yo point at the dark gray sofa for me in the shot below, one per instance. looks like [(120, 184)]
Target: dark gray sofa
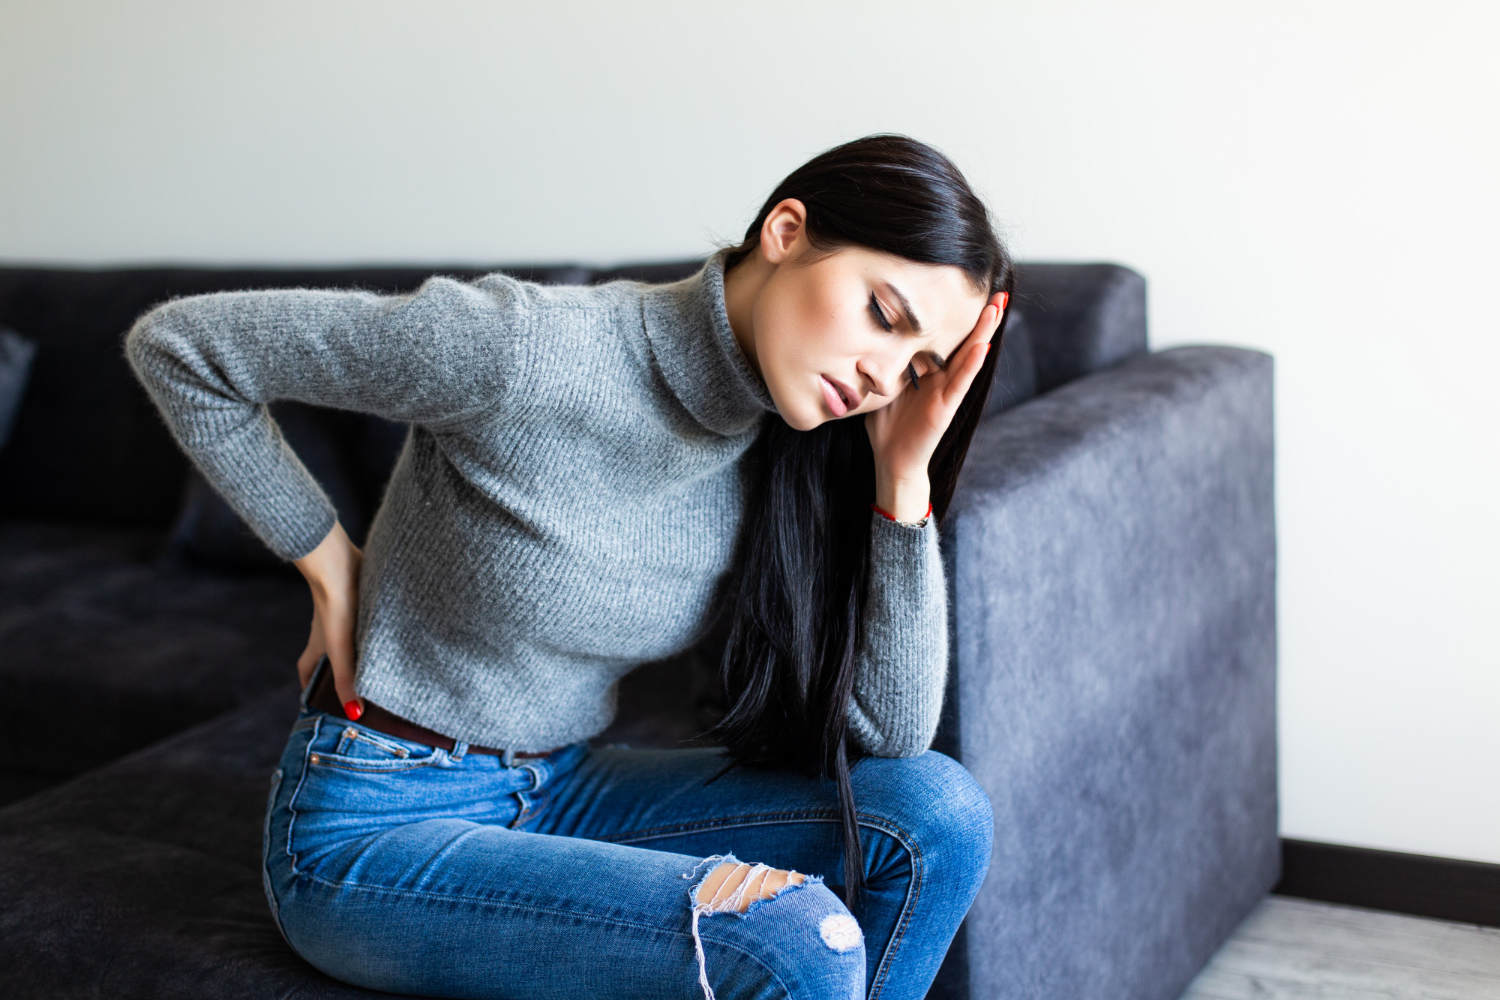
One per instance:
[(1111, 557)]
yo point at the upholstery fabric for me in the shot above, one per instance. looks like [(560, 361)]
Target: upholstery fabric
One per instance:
[(1111, 554), (142, 879), (1113, 692), (88, 445), (350, 454), (1113, 559), (104, 640), (16, 353), (1083, 318), (1015, 372)]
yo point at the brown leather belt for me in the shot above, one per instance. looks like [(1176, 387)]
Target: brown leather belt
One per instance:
[(324, 698)]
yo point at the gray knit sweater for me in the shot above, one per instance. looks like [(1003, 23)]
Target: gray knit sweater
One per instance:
[(564, 507)]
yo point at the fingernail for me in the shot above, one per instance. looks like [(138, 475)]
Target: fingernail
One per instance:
[(1004, 300), (985, 351), (352, 709)]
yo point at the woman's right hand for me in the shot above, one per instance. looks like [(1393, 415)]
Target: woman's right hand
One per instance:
[(332, 571)]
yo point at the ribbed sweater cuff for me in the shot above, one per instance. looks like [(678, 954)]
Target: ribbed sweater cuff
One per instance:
[(269, 488)]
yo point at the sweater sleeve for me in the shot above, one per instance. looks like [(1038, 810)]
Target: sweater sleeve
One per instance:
[(211, 363), (903, 651)]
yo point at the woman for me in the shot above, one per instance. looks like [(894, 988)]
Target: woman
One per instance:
[(584, 467)]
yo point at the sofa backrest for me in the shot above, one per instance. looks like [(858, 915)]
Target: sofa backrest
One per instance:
[(1082, 318), (87, 445)]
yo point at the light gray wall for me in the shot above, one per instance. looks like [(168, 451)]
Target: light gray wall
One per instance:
[(1315, 179)]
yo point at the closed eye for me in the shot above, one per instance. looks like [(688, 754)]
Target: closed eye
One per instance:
[(879, 313), (931, 362)]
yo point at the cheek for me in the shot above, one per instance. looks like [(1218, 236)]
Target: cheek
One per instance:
[(795, 336)]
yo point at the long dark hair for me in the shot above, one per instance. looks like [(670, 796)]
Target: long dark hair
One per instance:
[(802, 563)]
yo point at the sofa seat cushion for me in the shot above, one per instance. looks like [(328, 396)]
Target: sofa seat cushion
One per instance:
[(108, 648), (142, 879)]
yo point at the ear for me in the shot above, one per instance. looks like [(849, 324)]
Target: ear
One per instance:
[(784, 226)]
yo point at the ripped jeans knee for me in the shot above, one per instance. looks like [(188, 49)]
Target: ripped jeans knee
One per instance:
[(732, 886)]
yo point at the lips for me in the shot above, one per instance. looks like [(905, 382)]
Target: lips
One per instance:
[(835, 396)]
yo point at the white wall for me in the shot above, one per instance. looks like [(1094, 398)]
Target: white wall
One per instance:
[(1317, 180)]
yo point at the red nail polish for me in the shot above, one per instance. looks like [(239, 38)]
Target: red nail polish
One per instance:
[(352, 709)]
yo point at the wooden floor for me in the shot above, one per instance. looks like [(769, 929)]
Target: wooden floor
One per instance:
[(1293, 949)]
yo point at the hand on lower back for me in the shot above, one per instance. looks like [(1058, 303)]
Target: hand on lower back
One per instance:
[(332, 572)]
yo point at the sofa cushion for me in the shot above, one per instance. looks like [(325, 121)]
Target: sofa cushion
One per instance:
[(88, 445), (16, 353), (118, 648), (142, 879), (350, 455), (1015, 372), (1083, 318), (106, 638), (654, 273)]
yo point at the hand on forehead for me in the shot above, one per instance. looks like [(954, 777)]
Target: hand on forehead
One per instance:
[(935, 303)]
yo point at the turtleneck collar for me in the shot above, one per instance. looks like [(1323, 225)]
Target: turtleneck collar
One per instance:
[(688, 327)]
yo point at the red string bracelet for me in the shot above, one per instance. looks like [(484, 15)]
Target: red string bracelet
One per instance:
[(892, 517)]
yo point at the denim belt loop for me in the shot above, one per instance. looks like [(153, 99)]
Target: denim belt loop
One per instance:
[(459, 749), (509, 758)]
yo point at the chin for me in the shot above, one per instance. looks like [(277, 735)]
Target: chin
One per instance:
[(798, 413), (804, 419)]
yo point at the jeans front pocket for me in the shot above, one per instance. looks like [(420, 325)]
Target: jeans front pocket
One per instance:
[(357, 748), (355, 783)]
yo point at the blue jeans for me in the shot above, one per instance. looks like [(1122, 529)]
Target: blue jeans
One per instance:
[(403, 867)]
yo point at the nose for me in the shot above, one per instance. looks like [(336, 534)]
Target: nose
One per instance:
[(884, 375)]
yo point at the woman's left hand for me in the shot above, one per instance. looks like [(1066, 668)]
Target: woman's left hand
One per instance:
[(905, 432)]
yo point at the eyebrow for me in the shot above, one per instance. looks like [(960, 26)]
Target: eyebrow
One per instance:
[(916, 324), (911, 317)]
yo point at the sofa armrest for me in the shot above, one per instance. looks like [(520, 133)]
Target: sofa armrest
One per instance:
[(1111, 556)]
